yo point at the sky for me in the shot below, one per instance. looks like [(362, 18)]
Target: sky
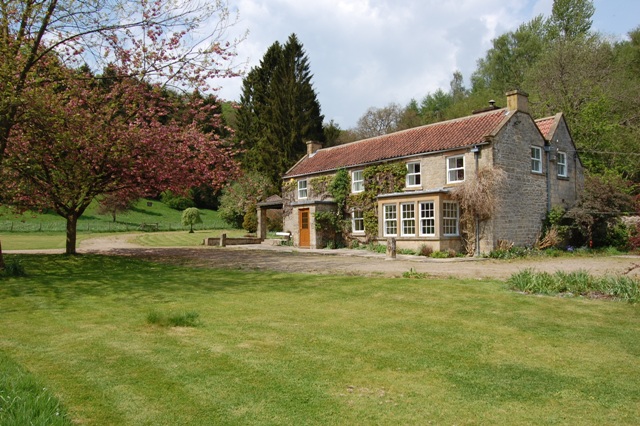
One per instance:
[(370, 53)]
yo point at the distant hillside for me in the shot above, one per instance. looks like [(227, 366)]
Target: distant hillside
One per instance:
[(145, 215)]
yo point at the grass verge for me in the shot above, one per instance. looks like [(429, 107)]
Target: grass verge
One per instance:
[(577, 283), (24, 400), (275, 348)]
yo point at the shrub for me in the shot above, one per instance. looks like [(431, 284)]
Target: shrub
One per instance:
[(243, 195), (250, 222), (425, 250), (378, 248), (440, 254), (176, 202), (274, 220)]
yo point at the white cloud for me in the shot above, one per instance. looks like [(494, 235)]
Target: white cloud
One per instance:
[(367, 53)]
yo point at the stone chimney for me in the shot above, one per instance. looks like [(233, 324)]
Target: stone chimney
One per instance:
[(517, 100), (312, 147)]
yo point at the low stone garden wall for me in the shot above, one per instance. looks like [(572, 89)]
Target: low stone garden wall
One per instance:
[(223, 241)]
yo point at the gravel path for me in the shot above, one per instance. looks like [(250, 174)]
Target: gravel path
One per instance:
[(353, 262)]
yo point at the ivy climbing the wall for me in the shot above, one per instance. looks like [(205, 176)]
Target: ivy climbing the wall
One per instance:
[(334, 223), (378, 179)]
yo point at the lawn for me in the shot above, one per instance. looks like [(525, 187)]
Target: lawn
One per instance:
[(149, 212), (56, 240), (283, 349)]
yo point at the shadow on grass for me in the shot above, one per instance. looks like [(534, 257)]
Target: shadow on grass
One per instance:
[(145, 211), (63, 278)]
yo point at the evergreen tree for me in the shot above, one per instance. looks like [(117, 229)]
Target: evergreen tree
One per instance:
[(279, 111)]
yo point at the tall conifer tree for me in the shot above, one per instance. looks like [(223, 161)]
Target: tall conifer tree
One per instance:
[(279, 110)]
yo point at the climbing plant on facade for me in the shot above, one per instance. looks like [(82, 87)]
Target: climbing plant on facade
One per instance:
[(378, 179)]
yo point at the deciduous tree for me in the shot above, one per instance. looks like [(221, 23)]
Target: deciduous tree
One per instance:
[(84, 140), (161, 42)]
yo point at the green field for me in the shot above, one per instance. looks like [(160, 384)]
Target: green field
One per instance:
[(142, 215), (284, 349)]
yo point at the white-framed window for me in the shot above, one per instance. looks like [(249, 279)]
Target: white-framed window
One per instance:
[(536, 159), (413, 174), (561, 161), (390, 220), (455, 169), (302, 189), (450, 218), (357, 222), (408, 211), (357, 181), (427, 219)]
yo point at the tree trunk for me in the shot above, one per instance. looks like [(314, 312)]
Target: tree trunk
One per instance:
[(72, 232)]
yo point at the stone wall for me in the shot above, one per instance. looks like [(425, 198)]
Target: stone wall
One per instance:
[(565, 190), (522, 198)]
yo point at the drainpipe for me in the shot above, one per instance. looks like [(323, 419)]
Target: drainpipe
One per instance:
[(547, 150), (476, 155)]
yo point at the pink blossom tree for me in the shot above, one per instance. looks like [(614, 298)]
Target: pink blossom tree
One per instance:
[(83, 140), (161, 42)]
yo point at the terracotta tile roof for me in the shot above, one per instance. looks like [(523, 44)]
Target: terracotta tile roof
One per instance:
[(446, 135), (546, 125)]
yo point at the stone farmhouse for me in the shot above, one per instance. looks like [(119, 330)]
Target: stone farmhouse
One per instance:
[(540, 165)]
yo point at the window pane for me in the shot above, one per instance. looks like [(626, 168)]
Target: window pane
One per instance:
[(536, 159), (390, 219), (357, 221), (455, 169), (408, 219), (357, 181), (562, 164), (450, 218), (413, 174), (427, 218), (302, 189)]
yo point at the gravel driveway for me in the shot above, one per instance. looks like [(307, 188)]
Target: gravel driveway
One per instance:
[(355, 262)]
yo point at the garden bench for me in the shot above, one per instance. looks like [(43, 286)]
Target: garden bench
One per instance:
[(283, 237)]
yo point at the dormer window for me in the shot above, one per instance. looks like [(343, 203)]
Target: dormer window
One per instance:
[(455, 169), (413, 174)]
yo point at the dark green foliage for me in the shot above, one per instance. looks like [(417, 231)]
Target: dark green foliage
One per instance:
[(250, 221), (334, 222), (242, 196), (565, 67), (176, 202), (279, 111), (378, 179), (597, 213)]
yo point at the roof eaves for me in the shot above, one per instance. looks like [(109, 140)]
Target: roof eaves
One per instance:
[(387, 160)]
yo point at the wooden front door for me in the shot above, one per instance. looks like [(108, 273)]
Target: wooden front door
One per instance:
[(303, 222)]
